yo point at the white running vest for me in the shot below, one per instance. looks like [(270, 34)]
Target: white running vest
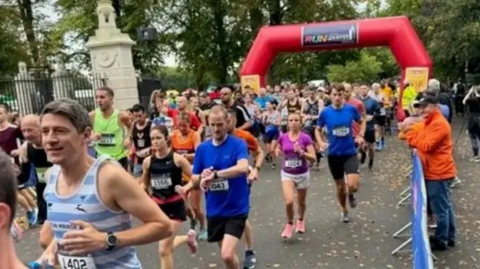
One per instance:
[(86, 205)]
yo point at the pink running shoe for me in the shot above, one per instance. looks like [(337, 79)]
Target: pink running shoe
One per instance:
[(192, 241), (16, 231), (300, 227), (287, 231)]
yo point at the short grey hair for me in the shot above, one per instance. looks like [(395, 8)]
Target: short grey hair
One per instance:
[(70, 109), (376, 86), (434, 85)]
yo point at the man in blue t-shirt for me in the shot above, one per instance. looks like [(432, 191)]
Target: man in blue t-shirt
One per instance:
[(372, 109), (262, 99), (221, 165), (342, 153)]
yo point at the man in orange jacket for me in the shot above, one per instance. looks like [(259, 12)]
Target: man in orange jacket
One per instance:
[(433, 140)]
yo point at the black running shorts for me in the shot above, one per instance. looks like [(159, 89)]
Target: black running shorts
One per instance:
[(218, 227), (175, 210), (343, 165), (370, 136)]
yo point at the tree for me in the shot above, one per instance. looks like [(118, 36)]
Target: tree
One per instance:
[(366, 70)]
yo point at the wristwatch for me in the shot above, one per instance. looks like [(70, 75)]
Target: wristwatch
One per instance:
[(215, 175), (111, 241)]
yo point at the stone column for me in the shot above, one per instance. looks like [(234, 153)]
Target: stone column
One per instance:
[(24, 89), (111, 55), (62, 82)]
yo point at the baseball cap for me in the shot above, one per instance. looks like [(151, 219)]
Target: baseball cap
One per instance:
[(424, 100)]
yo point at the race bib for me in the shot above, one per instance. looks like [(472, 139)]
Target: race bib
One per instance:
[(293, 163), (41, 174), (141, 143), (70, 262), (342, 131), (219, 185), (107, 140), (383, 112), (160, 182)]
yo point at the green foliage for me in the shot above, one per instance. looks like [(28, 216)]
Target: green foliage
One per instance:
[(366, 69)]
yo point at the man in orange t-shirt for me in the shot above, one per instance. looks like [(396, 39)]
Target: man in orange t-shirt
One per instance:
[(258, 156)]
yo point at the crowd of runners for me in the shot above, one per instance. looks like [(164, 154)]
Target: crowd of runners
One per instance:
[(190, 157)]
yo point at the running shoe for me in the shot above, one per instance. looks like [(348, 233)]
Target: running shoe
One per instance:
[(475, 159), (300, 227), (192, 241), (32, 218), (431, 224), (203, 234), (352, 200), (288, 231), (455, 182), (378, 146), (345, 218), (250, 260)]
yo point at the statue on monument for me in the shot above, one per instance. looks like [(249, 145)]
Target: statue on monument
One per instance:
[(106, 14)]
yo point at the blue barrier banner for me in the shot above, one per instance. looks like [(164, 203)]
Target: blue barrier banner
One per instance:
[(422, 255)]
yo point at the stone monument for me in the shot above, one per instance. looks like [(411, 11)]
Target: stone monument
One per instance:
[(111, 55)]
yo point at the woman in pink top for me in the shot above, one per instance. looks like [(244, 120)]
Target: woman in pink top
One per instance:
[(297, 149)]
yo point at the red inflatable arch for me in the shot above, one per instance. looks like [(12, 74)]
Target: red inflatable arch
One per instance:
[(394, 32)]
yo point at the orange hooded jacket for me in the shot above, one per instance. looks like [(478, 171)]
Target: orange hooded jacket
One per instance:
[(433, 140)]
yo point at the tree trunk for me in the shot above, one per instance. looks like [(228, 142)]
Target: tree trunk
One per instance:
[(219, 13), (26, 14)]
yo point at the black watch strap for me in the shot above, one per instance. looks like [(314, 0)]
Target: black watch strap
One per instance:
[(109, 240)]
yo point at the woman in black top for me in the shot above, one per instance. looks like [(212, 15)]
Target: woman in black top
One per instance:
[(162, 176)]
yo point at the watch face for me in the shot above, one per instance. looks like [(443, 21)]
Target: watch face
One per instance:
[(112, 240)]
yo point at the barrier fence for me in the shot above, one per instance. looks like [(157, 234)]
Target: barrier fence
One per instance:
[(422, 256)]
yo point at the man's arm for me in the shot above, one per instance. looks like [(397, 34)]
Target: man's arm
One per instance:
[(437, 132), (23, 152), (132, 199)]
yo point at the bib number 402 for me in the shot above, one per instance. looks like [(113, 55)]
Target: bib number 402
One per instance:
[(69, 262), (75, 264)]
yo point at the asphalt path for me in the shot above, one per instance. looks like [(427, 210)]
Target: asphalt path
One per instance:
[(366, 242)]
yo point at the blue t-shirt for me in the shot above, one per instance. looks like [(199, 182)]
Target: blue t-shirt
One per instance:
[(445, 110), (262, 101), (339, 129), (226, 197), (372, 108)]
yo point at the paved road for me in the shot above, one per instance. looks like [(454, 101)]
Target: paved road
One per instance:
[(364, 243)]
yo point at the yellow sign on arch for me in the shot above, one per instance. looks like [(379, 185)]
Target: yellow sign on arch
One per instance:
[(417, 77), (252, 81)]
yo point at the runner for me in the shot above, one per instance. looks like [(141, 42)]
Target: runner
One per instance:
[(221, 165), (32, 152), (163, 175), (195, 108), (10, 141), (110, 128), (372, 109), (389, 96), (161, 116), (381, 118), (272, 121), (311, 108), (140, 136), (342, 155), (297, 149), (244, 119), (258, 157), (8, 202), (184, 142), (81, 206)]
